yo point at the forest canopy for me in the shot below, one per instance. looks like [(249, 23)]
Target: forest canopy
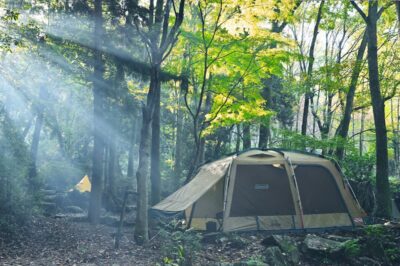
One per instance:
[(138, 94)]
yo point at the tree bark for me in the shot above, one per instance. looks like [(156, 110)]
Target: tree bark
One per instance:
[(398, 13), (98, 105), (246, 137), (155, 175), (130, 170), (309, 94), (143, 173), (344, 125), (32, 172), (178, 144), (378, 106)]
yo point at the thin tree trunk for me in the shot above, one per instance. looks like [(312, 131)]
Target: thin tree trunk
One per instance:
[(130, 170), (246, 137), (398, 14), (343, 128), (33, 182), (143, 173), (378, 106), (178, 144), (155, 175), (309, 94), (98, 102), (112, 160), (238, 137), (361, 133)]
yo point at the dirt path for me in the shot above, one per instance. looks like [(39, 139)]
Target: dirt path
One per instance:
[(59, 241)]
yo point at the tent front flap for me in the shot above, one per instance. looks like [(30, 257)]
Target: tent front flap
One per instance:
[(207, 177)]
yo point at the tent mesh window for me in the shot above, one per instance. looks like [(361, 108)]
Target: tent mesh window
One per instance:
[(261, 190), (318, 190)]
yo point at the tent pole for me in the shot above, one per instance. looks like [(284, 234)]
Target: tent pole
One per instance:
[(297, 192), (191, 215)]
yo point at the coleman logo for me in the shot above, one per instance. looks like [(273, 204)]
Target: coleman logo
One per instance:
[(261, 186)]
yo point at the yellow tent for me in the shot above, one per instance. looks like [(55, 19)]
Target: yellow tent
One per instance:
[(84, 185)]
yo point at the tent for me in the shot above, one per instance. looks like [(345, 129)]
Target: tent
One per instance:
[(84, 185), (266, 190)]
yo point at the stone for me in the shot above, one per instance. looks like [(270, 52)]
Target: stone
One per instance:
[(235, 241), (109, 220), (73, 209), (286, 243), (274, 256), (339, 238), (322, 246), (250, 263), (365, 261)]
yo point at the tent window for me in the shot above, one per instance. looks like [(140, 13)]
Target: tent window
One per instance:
[(318, 190), (261, 190)]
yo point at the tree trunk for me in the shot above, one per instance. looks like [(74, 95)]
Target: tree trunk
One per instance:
[(378, 106), (33, 182), (155, 175), (178, 145), (130, 170), (309, 94), (265, 128), (98, 104), (398, 13), (361, 143), (143, 174), (238, 137), (246, 137), (112, 160), (343, 128)]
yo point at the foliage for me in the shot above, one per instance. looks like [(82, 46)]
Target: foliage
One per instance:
[(352, 248), (359, 167), (15, 203), (394, 184), (179, 246)]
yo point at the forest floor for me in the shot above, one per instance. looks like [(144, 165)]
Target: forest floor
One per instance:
[(62, 241)]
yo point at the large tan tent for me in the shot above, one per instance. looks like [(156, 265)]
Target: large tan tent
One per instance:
[(266, 190)]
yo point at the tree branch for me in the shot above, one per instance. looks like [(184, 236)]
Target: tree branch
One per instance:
[(359, 10)]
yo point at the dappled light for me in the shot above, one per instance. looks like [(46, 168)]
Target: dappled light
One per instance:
[(199, 132)]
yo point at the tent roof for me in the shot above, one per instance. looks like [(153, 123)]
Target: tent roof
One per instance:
[(84, 185), (208, 176)]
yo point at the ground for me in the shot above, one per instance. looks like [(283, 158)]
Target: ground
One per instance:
[(62, 241)]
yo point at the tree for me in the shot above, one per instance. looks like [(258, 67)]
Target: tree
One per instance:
[(160, 40), (378, 107), (309, 93), (98, 106)]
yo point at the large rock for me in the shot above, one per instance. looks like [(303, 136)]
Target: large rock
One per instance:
[(234, 241), (365, 261), (286, 243), (322, 246), (74, 209), (248, 263), (274, 256)]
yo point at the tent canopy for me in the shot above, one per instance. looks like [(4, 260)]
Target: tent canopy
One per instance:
[(266, 190), (84, 185), (206, 178)]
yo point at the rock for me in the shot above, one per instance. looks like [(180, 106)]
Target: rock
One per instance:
[(365, 261), (235, 241), (109, 220), (49, 208), (249, 263), (339, 238), (322, 246), (73, 209), (274, 256), (286, 243)]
